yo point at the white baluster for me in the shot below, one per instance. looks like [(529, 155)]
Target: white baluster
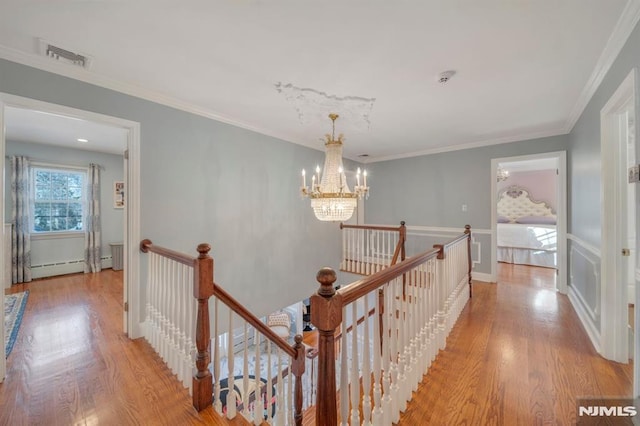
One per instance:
[(173, 329), (280, 406), (191, 324), (269, 390), (352, 238), (344, 372), (414, 345), (216, 358), (402, 347), (231, 395), (377, 414), (245, 372), (290, 393), (395, 388), (179, 323), (355, 367), (366, 366), (257, 412), (387, 405), (343, 263)]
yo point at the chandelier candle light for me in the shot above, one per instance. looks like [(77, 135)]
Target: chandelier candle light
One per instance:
[(331, 198)]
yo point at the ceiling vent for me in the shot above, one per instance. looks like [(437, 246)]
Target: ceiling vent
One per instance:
[(63, 55)]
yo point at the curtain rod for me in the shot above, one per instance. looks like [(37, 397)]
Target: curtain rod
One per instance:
[(49, 163)]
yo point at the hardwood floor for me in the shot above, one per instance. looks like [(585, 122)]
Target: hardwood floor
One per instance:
[(73, 365), (517, 356)]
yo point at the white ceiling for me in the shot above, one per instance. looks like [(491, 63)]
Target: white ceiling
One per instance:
[(24, 125), (524, 68)]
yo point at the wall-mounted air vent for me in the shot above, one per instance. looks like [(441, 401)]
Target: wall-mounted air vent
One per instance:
[(64, 55)]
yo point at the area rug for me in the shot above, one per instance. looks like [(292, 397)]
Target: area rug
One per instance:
[(14, 305)]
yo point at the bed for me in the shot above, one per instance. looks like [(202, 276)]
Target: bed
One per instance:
[(526, 229)]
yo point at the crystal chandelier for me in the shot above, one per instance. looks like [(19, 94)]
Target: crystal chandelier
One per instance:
[(502, 174), (331, 198)]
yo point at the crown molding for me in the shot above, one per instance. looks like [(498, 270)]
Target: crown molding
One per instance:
[(621, 32), (478, 144), (95, 79)]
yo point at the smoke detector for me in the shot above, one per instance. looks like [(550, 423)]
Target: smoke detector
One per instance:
[(64, 55), (445, 76)]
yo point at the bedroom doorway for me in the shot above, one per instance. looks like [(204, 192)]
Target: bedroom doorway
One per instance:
[(131, 212), (529, 213)]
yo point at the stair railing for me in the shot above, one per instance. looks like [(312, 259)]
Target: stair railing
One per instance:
[(178, 328), (367, 249), (383, 355)]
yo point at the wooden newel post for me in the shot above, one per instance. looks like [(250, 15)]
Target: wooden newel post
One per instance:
[(203, 290), (298, 371), (326, 315), (467, 230)]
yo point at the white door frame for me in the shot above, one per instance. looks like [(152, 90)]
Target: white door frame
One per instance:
[(131, 324), (614, 340), (561, 212)]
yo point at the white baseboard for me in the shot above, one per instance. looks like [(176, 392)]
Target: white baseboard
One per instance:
[(589, 326), (482, 276), (63, 268)]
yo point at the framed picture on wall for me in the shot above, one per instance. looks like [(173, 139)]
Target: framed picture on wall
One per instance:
[(118, 195)]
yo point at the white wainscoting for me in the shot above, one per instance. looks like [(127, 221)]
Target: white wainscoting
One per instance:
[(584, 286), (442, 234)]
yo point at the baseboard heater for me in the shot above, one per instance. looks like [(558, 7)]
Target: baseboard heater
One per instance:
[(62, 268)]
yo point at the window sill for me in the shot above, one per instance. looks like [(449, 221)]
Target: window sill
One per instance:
[(56, 235)]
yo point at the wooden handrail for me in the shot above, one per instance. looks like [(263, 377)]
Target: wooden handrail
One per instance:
[(243, 313), (372, 227), (455, 240), (361, 287), (147, 246)]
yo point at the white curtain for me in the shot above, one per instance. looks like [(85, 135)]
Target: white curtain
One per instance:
[(20, 233), (92, 239)]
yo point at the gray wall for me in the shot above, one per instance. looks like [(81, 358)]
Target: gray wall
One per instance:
[(430, 190), (584, 177), (206, 181), (584, 142), (63, 249)]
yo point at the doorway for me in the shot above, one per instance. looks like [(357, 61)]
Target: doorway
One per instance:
[(535, 204), (131, 212), (618, 223)]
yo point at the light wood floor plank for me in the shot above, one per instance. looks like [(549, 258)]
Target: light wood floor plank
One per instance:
[(517, 356), (73, 365)]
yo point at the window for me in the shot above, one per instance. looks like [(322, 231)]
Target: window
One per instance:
[(58, 200)]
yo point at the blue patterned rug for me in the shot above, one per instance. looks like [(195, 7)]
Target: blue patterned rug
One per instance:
[(14, 305)]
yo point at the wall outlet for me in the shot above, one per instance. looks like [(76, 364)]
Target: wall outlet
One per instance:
[(634, 173)]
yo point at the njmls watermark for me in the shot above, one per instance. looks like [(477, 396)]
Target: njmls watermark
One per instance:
[(608, 411)]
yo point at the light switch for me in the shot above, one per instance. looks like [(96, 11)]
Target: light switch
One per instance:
[(464, 207)]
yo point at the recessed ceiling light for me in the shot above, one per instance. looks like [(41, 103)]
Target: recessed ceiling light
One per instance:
[(83, 140)]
